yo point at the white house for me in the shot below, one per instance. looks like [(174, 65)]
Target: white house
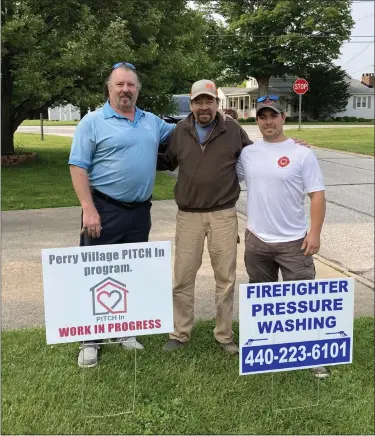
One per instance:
[(64, 113), (361, 101), (243, 100)]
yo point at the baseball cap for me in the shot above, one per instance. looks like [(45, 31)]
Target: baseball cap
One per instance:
[(269, 103), (207, 87)]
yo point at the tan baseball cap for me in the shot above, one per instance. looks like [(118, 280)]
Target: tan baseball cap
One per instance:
[(206, 87)]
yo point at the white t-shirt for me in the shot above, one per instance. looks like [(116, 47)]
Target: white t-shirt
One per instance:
[(277, 176)]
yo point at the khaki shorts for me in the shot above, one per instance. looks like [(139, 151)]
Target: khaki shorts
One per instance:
[(264, 260)]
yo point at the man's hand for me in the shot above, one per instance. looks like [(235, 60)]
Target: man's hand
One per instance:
[(302, 142), (91, 222), (311, 244)]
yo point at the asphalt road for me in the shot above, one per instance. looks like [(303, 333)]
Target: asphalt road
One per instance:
[(348, 233)]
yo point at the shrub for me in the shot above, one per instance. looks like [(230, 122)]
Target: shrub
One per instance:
[(232, 112), (338, 119), (363, 120)]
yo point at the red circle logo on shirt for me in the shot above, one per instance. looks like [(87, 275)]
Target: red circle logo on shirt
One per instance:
[(283, 161)]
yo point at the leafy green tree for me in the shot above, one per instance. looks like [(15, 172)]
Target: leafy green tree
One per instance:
[(56, 52), (265, 38), (328, 91)]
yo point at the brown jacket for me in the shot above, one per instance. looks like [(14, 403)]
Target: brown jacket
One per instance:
[(207, 179)]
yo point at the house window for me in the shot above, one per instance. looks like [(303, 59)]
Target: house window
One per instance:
[(361, 102), (254, 103)]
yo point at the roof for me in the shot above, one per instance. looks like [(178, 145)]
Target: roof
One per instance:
[(248, 91), (356, 87)]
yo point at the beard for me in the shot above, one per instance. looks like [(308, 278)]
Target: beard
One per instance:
[(125, 105), (204, 118)]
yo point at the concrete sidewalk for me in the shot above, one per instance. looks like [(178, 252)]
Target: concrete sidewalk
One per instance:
[(26, 233)]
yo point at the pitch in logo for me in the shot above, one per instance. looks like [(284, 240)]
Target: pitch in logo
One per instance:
[(109, 297)]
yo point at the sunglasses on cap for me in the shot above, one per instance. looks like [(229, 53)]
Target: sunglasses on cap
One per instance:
[(270, 97), (123, 64)]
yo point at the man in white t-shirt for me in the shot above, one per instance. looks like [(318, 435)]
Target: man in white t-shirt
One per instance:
[(278, 173)]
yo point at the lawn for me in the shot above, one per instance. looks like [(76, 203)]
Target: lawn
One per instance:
[(46, 182), (355, 140), (196, 390), (49, 123)]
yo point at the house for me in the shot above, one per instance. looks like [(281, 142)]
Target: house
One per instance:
[(361, 102), (64, 113), (243, 100)]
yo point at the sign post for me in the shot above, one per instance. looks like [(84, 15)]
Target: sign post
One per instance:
[(300, 87), (295, 325)]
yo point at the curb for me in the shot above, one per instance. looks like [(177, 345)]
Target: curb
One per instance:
[(331, 264)]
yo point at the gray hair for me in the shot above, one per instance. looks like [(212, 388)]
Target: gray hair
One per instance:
[(108, 79)]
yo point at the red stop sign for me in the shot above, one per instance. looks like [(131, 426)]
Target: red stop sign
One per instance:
[(300, 86)]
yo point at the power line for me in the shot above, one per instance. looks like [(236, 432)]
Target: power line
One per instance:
[(367, 46), (359, 19)]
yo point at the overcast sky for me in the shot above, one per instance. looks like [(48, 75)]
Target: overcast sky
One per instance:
[(351, 59)]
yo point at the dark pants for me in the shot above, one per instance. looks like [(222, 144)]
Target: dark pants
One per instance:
[(120, 225), (264, 260)]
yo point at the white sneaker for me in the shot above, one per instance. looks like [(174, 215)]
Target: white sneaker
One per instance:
[(88, 355), (130, 343)]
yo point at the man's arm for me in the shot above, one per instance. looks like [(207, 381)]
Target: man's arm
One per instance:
[(90, 217), (239, 171), (168, 159), (80, 159), (311, 243)]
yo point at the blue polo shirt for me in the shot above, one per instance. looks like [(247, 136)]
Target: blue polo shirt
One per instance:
[(118, 154)]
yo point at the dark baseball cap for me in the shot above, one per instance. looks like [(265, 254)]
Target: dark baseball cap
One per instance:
[(273, 104)]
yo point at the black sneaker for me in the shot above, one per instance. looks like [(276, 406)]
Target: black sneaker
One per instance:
[(173, 345)]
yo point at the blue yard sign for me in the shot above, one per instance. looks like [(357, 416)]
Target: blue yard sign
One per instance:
[(295, 325)]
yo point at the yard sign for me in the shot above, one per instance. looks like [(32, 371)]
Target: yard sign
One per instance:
[(107, 291), (294, 325)]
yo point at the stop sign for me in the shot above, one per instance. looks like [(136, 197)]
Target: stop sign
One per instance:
[(300, 86)]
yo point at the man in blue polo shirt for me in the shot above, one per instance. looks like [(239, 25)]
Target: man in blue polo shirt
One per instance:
[(113, 167)]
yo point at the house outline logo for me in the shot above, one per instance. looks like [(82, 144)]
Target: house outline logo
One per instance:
[(109, 297)]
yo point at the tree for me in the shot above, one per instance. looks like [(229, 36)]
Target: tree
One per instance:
[(328, 91), (276, 38), (57, 52)]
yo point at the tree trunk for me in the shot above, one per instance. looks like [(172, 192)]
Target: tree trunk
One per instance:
[(262, 85), (7, 130), (7, 134), (83, 111)]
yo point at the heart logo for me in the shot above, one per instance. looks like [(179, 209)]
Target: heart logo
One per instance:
[(283, 161), (109, 300)]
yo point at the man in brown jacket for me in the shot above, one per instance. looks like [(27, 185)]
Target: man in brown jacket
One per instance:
[(205, 147)]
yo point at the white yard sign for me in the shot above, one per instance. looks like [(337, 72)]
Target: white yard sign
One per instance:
[(107, 291), (295, 325)]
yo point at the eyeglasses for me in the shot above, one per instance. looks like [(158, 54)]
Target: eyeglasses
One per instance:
[(270, 97), (125, 64)]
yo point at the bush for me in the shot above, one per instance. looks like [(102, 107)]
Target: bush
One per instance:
[(232, 112), (338, 119), (363, 120)]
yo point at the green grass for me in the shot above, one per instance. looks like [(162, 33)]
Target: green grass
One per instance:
[(49, 123), (196, 390), (318, 123), (357, 140), (46, 182)]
